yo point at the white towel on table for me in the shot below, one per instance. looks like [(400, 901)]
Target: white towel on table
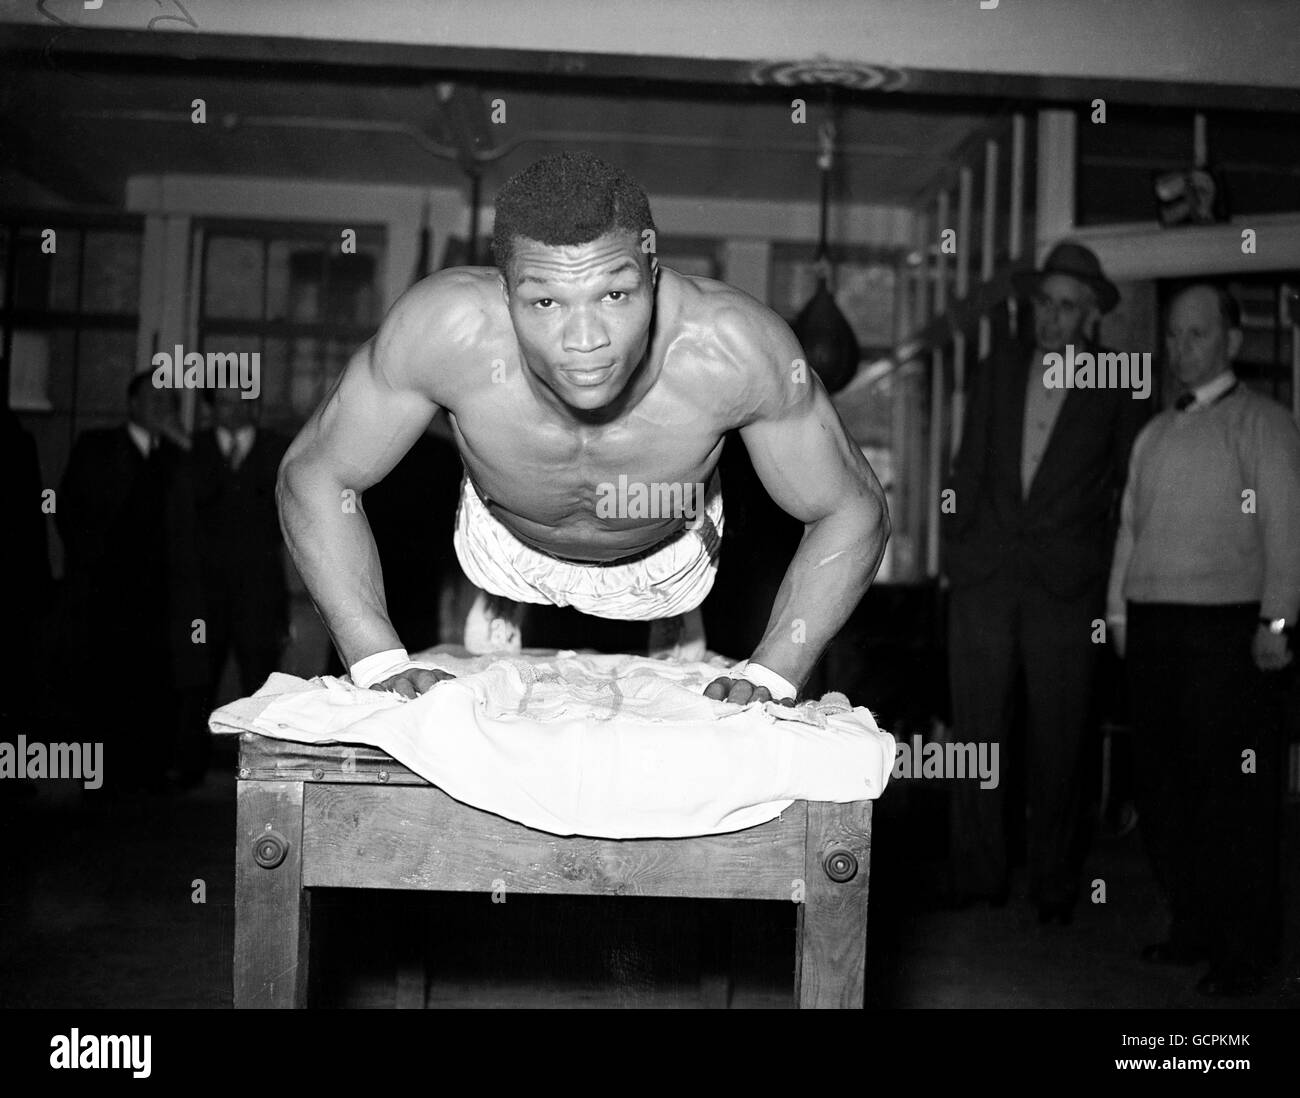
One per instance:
[(607, 746)]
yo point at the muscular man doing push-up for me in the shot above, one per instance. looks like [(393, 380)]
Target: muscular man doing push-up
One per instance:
[(589, 391)]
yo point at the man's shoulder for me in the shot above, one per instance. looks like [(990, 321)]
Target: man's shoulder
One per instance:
[(439, 316), (734, 339), (1266, 415), (442, 301)]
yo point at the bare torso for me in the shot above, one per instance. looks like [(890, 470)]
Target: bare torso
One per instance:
[(544, 474)]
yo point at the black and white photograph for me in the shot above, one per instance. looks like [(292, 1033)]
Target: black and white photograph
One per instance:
[(637, 507)]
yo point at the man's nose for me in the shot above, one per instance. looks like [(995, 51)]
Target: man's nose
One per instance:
[(584, 333)]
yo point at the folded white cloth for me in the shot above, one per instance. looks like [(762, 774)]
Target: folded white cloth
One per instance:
[(613, 747)]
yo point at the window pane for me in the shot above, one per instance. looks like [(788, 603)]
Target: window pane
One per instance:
[(277, 410), (352, 287), (865, 293), (47, 280), (306, 266), (232, 284), (295, 269), (304, 376), (40, 378), (111, 281), (107, 361)]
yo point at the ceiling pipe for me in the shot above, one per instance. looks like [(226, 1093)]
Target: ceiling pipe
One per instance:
[(557, 137)]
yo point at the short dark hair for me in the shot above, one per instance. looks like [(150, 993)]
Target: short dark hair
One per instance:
[(134, 385), (567, 198), (1229, 307)]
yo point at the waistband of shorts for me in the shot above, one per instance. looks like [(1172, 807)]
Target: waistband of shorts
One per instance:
[(706, 529)]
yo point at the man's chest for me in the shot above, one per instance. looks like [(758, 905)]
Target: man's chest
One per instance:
[(643, 470)]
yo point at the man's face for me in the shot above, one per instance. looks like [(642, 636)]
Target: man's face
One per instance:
[(151, 407), (582, 315), (1064, 310), (1199, 346), (231, 410)]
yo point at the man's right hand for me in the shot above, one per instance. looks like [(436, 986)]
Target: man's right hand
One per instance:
[(1117, 637), (412, 682)]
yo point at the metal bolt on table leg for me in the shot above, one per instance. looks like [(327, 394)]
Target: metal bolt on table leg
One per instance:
[(840, 866)]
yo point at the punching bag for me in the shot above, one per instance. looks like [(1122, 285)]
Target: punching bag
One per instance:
[(827, 339)]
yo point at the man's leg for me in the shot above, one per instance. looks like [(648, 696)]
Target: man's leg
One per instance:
[(1238, 736), (678, 638), (494, 624), (1060, 663), (1168, 794), (982, 661)]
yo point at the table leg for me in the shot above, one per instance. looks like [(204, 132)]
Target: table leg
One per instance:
[(831, 934), (411, 986), (272, 909), (716, 942)]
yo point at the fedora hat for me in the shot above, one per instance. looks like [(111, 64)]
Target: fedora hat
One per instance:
[(1073, 259)]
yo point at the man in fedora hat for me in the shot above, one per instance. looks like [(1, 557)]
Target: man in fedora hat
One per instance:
[(1027, 543)]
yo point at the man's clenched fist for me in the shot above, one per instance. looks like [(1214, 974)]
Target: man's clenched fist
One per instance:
[(412, 682), (740, 692)]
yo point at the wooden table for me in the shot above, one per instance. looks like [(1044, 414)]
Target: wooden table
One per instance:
[(351, 817)]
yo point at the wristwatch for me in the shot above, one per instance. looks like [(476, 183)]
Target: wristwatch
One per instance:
[(1276, 626)]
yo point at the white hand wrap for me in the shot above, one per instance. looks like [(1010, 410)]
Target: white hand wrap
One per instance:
[(382, 665), (759, 675)]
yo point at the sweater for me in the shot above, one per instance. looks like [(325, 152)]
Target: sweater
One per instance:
[(1211, 510)]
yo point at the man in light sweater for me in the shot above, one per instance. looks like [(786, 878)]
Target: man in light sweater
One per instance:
[(1204, 593)]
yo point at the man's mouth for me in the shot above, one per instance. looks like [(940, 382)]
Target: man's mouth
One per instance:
[(588, 375)]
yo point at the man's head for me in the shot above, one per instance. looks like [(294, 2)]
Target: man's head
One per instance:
[(1202, 334), (573, 241), (229, 408), (147, 405), (1070, 293), (1065, 311)]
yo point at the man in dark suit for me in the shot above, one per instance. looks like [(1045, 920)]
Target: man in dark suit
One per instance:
[(125, 512), (1027, 542), (244, 581)]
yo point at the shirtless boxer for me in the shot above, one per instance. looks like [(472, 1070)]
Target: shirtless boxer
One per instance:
[(575, 362)]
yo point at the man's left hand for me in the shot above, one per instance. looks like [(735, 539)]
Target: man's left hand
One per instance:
[(740, 692), (1270, 650)]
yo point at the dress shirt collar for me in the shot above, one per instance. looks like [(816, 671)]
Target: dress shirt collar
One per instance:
[(239, 441), (1205, 394), (144, 441)]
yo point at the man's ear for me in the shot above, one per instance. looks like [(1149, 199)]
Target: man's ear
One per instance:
[(1235, 338), (505, 290)]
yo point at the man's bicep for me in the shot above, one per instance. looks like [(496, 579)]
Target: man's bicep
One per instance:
[(806, 460), (364, 426)]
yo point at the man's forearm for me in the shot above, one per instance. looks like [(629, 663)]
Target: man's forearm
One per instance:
[(831, 570), (334, 551)]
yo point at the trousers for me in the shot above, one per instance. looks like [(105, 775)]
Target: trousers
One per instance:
[(996, 631), (1209, 759)]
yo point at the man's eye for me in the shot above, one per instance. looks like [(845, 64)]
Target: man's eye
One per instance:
[(544, 301), (621, 293)]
